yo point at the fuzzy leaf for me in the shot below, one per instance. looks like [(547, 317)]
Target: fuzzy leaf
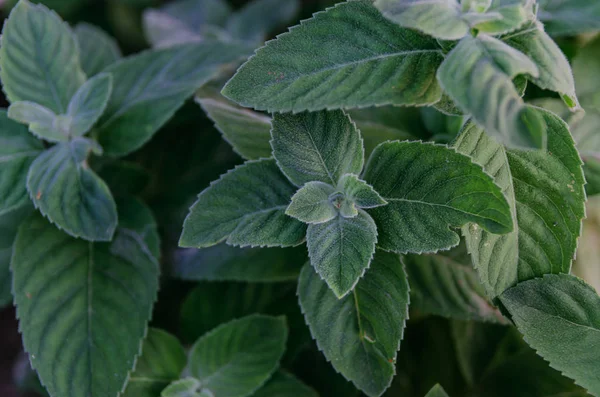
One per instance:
[(546, 196), (9, 224), (283, 384), (319, 146), (237, 358), (559, 315), (477, 76), (245, 207), (311, 204), (18, 149), (88, 104), (341, 250), (570, 17), (98, 50), (161, 362), (437, 391), (259, 17), (346, 56), (70, 194), (246, 131), (170, 76), (361, 333), (39, 58), (512, 14), (187, 387), (431, 189), (71, 297), (42, 122), (359, 192)]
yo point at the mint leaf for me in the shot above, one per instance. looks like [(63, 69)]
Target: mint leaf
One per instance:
[(245, 207), (585, 68), (170, 77), (283, 384), (559, 315), (97, 49), (437, 391), (319, 146), (546, 196), (42, 122), (68, 320), (341, 250), (346, 56), (188, 387), (431, 189), (246, 131), (360, 334), (88, 104), (360, 192), (162, 361), (39, 58), (70, 194), (259, 17), (493, 101), (9, 224), (18, 149), (312, 203), (569, 18), (237, 358), (510, 16)]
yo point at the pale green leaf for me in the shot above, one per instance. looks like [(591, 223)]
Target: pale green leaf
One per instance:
[(584, 128), (361, 333), (162, 80), (546, 195), (360, 192), (97, 49), (161, 362), (312, 203), (346, 56), (245, 207), (559, 316), (257, 18), (246, 131), (442, 286), (188, 387), (39, 58), (42, 122), (437, 391), (591, 169), (431, 189), (341, 250), (237, 358), (320, 146), (88, 104), (569, 17), (70, 194), (72, 297), (512, 14), (18, 149), (477, 76), (283, 384)]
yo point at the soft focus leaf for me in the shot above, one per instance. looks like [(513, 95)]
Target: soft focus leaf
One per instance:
[(88, 104), (187, 387), (259, 17), (42, 122), (359, 192), (569, 17), (437, 391), (283, 384), (97, 49), (9, 224)]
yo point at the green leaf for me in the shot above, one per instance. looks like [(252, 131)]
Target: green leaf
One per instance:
[(568, 18), (360, 192), (431, 189), (188, 387), (18, 149), (237, 358), (312, 203), (97, 48), (361, 333), (246, 131), (226, 263), (42, 122), (9, 224), (442, 286), (511, 15), (559, 315), (546, 196), (72, 296), (136, 217), (259, 17), (591, 169), (554, 70), (170, 77), (88, 104), (39, 58), (162, 361), (70, 194), (341, 250), (346, 56), (320, 146), (585, 68), (477, 75), (437, 391), (245, 207), (283, 384)]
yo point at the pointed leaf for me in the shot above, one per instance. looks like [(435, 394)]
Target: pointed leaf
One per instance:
[(42, 122), (559, 315), (312, 204), (9, 224), (569, 18), (162, 361), (511, 15), (346, 56), (283, 384), (70, 194), (97, 48), (319, 146), (360, 192), (259, 17), (88, 104), (69, 319), (437, 391), (361, 333), (431, 189), (237, 358), (170, 77), (477, 76), (18, 149), (39, 58), (188, 387), (245, 207)]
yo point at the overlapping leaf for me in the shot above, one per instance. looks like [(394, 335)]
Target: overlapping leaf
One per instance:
[(97, 49), (9, 224), (259, 17), (312, 203), (437, 391), (187, 387), (359, 192)]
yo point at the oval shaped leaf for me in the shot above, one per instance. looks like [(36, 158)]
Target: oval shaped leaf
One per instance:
[(88, 104), (71, 195), (311, 204), (429, 189), (346, 56), (97, 49)]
